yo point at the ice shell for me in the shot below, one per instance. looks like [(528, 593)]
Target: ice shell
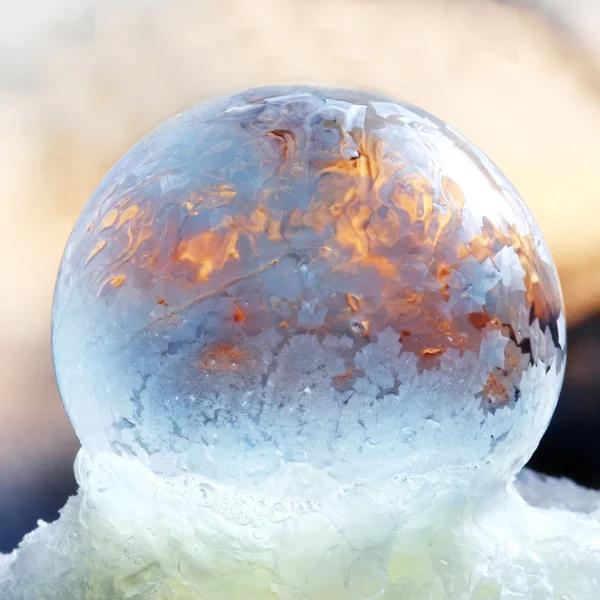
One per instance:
[(305, 275)]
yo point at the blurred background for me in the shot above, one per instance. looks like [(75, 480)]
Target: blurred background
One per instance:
[(82, 80)]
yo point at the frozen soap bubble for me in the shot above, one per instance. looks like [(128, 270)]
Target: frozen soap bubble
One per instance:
[(322, 278)]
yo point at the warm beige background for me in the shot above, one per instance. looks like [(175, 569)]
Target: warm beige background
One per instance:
[(80, 81)]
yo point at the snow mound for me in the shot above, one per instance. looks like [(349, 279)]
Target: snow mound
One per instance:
[(439, 536)]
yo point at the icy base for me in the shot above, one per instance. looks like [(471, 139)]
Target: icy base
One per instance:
[(443, 535)]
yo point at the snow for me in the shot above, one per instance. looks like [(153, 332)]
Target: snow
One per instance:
[(445, 535)]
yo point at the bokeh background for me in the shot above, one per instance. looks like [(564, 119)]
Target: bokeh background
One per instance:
[(82, 80)]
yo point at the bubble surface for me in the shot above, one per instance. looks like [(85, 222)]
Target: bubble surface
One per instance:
[(319, 282)]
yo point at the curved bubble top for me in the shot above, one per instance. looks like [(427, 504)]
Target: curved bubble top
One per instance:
[(304, 278)]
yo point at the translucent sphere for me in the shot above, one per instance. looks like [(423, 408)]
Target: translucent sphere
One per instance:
[(324, 278)]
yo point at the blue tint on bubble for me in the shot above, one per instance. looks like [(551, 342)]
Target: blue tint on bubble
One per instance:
[(304, 275)]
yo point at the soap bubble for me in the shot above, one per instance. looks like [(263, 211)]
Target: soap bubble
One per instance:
[(322, 278)]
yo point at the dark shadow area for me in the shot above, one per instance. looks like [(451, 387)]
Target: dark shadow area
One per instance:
[(570, 446), (23, 503)]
